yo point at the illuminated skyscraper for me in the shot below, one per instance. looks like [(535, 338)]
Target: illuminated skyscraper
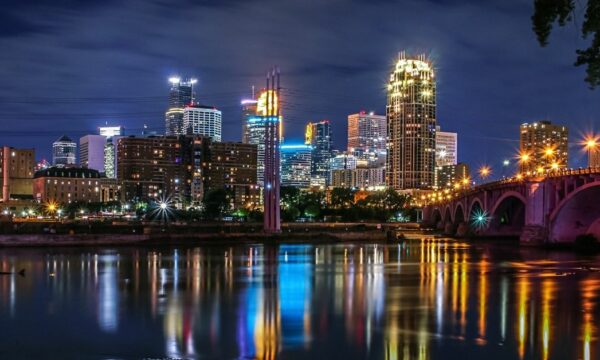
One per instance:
[(91, 152), (296, 165), (318, 136), (256, 128), (202, 120), (112, 133), (445, 152), (411, 122), (63, 152), (248, 112), (546, 146), (366, 136), (180, 95)]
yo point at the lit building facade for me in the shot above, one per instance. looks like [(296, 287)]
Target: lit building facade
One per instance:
[(16, 173), (594, 157), (449, 175), (367, 136), (546, 146), (151, 168), (411, 124), (249, 108), (256, 127), (232, 166), (202, 120), (66, 185), (358, 178), (318, 136), (446, 152), (109, 159), (296, 165), (91, 152), (63, 152), (181, 95)]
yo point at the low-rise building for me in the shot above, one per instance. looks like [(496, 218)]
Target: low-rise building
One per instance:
[(66, 185)]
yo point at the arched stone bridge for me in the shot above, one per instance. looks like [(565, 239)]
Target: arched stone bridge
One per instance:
[(556, 208)]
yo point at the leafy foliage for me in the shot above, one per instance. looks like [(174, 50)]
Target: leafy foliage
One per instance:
[(549, 12)]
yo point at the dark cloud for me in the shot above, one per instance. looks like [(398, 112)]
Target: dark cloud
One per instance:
[(335, 57)]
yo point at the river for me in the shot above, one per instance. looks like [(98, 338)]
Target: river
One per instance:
[(431, 298)]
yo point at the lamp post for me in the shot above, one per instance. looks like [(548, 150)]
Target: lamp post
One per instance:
[(591, 145)]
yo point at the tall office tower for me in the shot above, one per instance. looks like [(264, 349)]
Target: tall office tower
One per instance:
[(544, 146), (446, 147), (411, 122), (343, 161), (109, 160), (180, 96), (63, 152), (366, 136), (257, 130), (318, 136), (110, 131), (16, 173), (296, 165), (248, 112), (91, 152), (202, 120)]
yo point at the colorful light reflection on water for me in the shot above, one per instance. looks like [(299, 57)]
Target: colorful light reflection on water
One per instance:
[(423, 299)]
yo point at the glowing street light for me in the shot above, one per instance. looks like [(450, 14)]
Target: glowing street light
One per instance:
[(163, 205), (484, 172)]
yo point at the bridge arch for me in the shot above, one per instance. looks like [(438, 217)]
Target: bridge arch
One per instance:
[(576, 214), (459, 214), (448, 214), (507, 215), (436, 217), (476, 204)]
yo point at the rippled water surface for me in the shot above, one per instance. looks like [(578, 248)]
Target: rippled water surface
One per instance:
[(423, 299)]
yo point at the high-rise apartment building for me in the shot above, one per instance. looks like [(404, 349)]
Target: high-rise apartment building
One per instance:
[(543, 146), (248, 112), (232, 166), (411, 124), (318, 136), (446, 152), (112, 134), (446, 148), (16, 172), (181, 95), (91, 152), (202, 120), (367, 136), (296, 165), (63, 152), (449, 175)]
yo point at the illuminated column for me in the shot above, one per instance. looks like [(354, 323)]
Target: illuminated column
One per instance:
[(272, 222)]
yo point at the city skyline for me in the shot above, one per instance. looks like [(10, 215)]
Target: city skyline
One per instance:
[(473, 82)]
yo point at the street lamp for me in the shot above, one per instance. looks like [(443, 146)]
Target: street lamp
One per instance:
[(591, 144), (484, 172)]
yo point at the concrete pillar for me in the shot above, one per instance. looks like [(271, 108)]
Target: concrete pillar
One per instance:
[(536, 207)]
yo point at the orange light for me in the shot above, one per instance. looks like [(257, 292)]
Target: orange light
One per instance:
[(548, 151), (485, 171)]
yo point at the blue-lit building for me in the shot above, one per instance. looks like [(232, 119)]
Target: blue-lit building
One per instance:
[(63, 152), (318, 135), (296, 161)]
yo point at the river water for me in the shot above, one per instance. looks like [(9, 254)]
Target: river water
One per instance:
[(423, 299)]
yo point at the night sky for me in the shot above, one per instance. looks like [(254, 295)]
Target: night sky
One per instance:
[(71, 66)]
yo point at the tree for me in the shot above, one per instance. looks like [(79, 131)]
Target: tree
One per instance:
[(549, 12), (216, 203), (342, 198)]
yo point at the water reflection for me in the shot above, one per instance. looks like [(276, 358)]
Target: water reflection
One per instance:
[(421, 299)]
